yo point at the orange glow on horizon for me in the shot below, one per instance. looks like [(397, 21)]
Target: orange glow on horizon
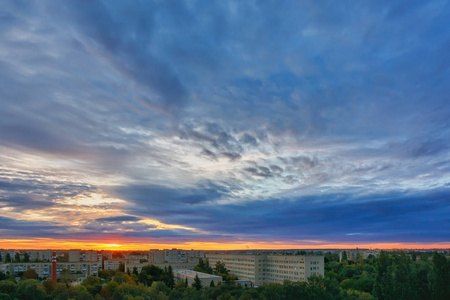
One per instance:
[(121, 245)]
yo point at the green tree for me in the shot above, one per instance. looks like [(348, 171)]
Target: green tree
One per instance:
[(122, 277), (121, 267), (197, 283), (203, 266), (382, 286), (170, 278), (5, 296), (93, 285), (8, 257), (221, 270), (135, 271), (211, 284), (401, 276), (30, 274), (109, 289), (30, 290), (440, 277), (344, 256), (143, 278), (66, 277), (17, 257), (8, 287), (49, 286), (26, 257)]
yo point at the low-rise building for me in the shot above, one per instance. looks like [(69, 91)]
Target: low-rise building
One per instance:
[(175, 266), (189, 275)]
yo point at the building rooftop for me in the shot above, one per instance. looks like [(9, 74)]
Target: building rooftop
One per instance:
[(192, 273)]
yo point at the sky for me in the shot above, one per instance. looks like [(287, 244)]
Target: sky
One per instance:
[(224, 124)]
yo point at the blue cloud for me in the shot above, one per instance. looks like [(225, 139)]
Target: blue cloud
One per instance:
[(219, 115)]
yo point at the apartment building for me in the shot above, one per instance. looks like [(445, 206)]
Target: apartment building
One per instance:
[(42, 255), (266, 268), (44, 269), (174, 256), (156, 256), (111, 264)]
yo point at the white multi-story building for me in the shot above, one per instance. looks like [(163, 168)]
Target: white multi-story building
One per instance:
[(44, 269), (266, 268)]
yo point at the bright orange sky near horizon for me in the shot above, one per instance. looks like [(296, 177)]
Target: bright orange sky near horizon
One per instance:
[(123, 246)]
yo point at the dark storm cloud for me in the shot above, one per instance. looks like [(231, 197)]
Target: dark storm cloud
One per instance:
[(334, 218), (21, 202), (37, 188), (11, 228), (118, 219), (163, 200)]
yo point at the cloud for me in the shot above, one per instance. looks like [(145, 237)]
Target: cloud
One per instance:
[(117, 219), (328, 217), (259, 120)]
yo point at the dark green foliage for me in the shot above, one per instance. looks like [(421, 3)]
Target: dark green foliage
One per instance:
[(26, 257), (197, 283), (66, 277), (440, 277), (121, 267), (143, 278), (49, 286), (5, 296), (30, 274), (93, 285), (170, 279), (203, 266), (8, 257), (107, 274), (121, 277), (30, 290), (8, 287), (17, 257)]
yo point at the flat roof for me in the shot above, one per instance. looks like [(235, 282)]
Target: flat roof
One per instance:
[(191, 273)]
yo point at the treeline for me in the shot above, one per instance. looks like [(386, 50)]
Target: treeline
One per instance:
[(394, 275)]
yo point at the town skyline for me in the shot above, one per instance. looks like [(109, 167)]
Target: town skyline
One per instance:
[(220, 125)]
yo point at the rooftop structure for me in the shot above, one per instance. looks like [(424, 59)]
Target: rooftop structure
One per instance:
[(182, 275)]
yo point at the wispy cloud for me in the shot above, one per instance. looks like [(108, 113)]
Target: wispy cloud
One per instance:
[(196, 121)]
